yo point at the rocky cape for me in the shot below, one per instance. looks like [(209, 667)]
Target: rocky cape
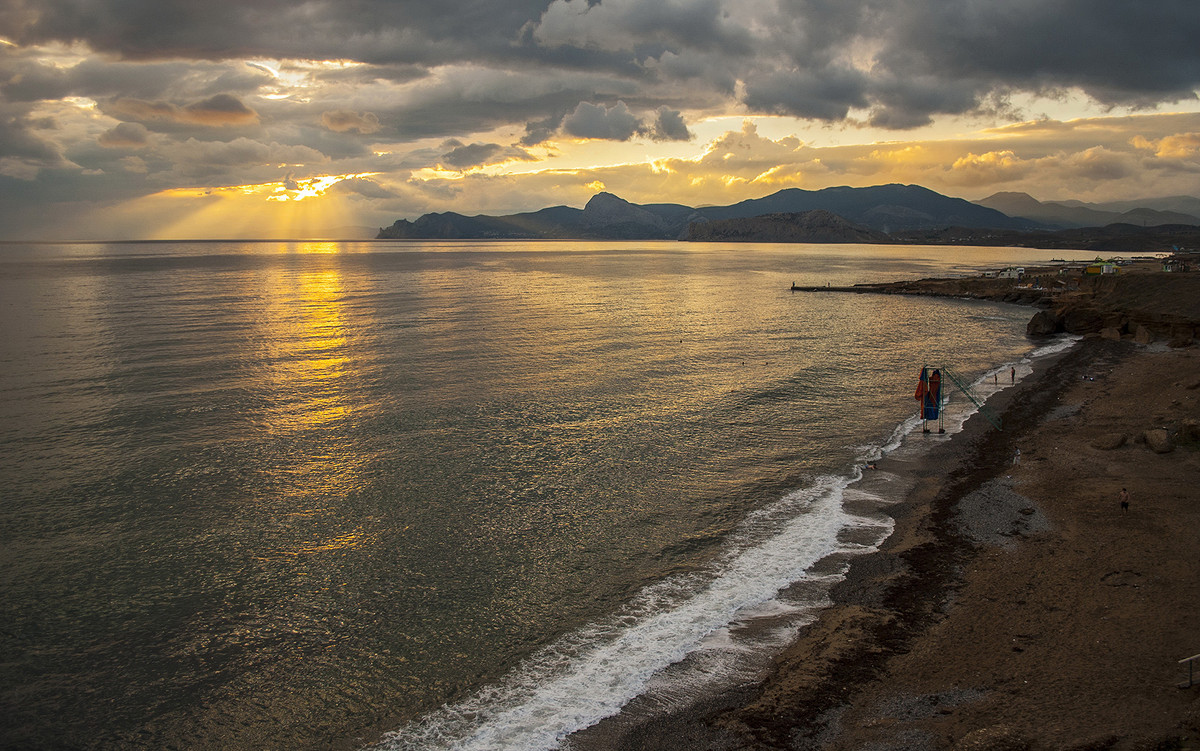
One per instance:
[(1141, 302)]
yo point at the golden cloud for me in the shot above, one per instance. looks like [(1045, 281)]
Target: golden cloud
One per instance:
[(989, 167), (1179, 146), (344, 121), (217, 111)]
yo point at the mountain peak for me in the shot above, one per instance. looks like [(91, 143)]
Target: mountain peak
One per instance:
[(606, 209)]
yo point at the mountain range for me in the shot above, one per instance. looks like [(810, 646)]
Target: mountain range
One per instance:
[(882, 208), (887, 209), (1075, 214)]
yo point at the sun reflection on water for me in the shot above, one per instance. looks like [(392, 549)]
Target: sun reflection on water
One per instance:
[(309, 354)]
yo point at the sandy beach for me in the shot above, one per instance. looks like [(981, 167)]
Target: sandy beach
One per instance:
[(1017, 605)]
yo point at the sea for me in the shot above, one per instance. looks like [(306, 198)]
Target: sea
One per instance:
[(441, 495)]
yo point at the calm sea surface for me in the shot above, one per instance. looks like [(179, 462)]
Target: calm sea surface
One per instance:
[(432, 495)]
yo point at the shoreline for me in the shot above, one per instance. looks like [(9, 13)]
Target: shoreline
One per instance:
[(1013, 606)]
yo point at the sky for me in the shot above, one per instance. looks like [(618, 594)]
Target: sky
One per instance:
[(177, 119)]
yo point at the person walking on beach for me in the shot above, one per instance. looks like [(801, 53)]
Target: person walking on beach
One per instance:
[(1124, 500), (1012, 374), (1017, 457)]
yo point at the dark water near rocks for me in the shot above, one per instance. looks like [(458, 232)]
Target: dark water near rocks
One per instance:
[(298, 495)]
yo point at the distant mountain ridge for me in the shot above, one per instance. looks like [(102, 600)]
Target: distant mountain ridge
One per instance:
[(816, 226), (1077, 214), (882, 208)]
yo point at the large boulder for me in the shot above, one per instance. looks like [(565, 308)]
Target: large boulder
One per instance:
[(1044, 323), (1159, 441)]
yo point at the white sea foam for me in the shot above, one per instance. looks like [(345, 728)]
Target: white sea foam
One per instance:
[(593, 673), (1059, 344)]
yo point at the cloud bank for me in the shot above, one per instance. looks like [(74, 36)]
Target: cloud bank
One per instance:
[(133, 99)]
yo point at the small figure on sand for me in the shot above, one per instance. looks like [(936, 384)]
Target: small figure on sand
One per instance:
[(1124, 500), (1017, 456), (1012, 374)]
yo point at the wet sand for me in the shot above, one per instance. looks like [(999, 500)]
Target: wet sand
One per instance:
[(1015, 606)]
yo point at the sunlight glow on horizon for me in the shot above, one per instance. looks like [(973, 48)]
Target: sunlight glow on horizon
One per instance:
[(306, 188), (306, 208)]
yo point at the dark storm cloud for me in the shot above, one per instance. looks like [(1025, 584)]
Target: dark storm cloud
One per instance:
[(464, 156), (540, 131), (19, 138), (618, 123), (364, 187), (216, 111), (819, 95), (342, 121), (901, 61), (1118, 52), (614, 123), (669, 126), (23, 78), (909, 102), (465, 101), (645, 28), (126, 136), (383, 31)]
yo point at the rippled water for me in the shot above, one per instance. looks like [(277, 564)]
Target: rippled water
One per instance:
[(301, 495)]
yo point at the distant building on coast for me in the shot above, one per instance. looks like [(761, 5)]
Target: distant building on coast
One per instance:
[(1099, 267)]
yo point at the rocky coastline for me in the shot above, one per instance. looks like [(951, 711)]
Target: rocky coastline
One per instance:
[(1140, 301)]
